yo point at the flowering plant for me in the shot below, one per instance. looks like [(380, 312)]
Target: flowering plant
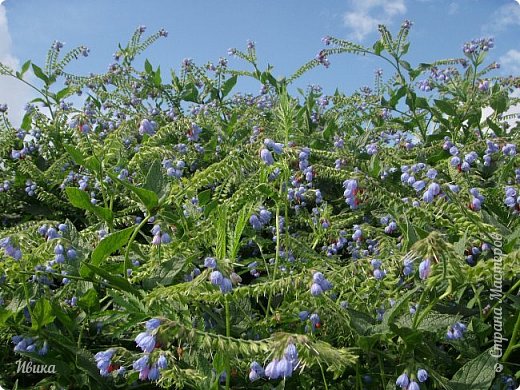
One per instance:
[(176, 234)]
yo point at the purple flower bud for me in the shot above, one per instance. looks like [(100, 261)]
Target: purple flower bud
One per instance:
[(284, 368), (402, 381), (156, 239), (216, 278), (210, 262), (266, 156), (165, 238), (422, 375), (316, 289), (226, 286), (271, 371), (413, 386), (162, 362), (153, 323), (424, 269), (255, 222)]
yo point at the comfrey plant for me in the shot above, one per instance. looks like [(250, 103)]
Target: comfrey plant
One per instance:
[(180, 234)]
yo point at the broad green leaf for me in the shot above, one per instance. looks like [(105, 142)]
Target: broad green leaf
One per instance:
[(477, 374), (25, 67), (228, 85), (38, 72), (110, 244), (446, 107), (154, 178), (149, 198), (89, 301), (81, 199), (26, 122), (90, 163), (115, 280), (42, 314), (148, 67)]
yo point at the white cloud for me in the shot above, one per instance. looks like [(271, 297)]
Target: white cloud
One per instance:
[(12, 92), (510, 62), (364, 16), (505, 17)]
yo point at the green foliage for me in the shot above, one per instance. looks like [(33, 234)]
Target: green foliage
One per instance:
[(119, 207)]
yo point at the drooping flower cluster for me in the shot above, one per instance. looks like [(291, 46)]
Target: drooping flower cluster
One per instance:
[(477, 200), (260, 220), (277, 368), (456, 331), (319, 284), (216, 277), (425, 269), (146, 340), (160, 237), (391, 225), (9, 249), (28, 344), (511, 200), (350, 193), (404, 382), (377, 271)]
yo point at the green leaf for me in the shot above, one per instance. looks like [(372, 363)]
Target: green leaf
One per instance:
[(25, 67), (38, 72), (90, 163), (154, 178), (446, 107), (26, 122), (42, 314), (157, 80), (499, 103), (148, 67), (228, 85), (190, 93), (149, 198), (63, 93), (110, 244), (477, 374), (4, 315), (81, 199), (115, 280), (62, 317), (89, 301), (378, 47)]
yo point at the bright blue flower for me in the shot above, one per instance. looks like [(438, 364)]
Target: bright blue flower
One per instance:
[(226, 286), (271, 371), (210, 262), (316, 289), (424, 269), (266, 157), (422, 375), (162, 362), (413, 386), (145, 341), (153, 323), (216, 278), (154, 373), (284, 368), (141, 363), (402, 381)]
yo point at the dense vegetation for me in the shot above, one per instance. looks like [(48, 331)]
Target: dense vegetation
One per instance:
[(178, 234)]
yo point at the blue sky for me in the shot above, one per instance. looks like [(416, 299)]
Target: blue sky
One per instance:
[(287, 33)]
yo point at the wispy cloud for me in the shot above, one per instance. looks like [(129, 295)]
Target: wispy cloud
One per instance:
[(364, 16), (510, 62), (505, 17), (12, 92)]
